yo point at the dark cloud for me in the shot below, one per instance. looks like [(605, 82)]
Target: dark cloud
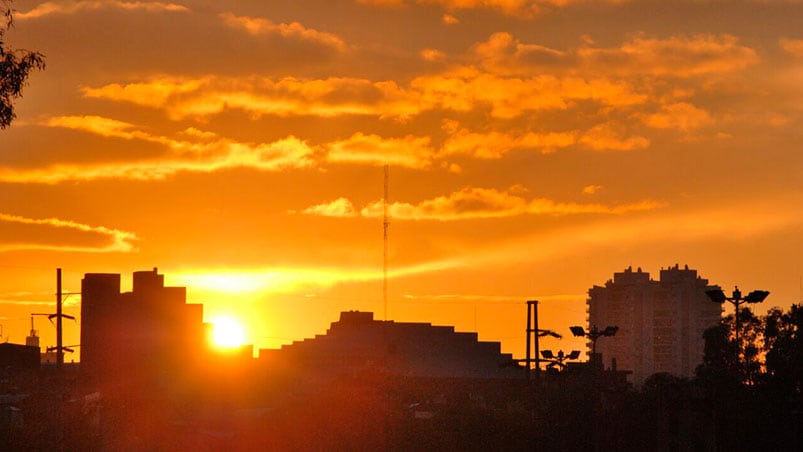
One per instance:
[(21, 233)]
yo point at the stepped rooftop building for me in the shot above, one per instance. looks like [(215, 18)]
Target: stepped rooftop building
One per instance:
[(358, 342), (661, 323), (144, 336)]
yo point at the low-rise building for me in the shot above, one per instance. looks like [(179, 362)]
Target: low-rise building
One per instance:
[(357, 342)]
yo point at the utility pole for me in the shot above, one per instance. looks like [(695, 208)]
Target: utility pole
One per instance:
[(532, 328), (59, 338), (533, 335), (527, 359), (59, 315)]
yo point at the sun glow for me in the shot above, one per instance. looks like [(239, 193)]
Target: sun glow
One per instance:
[(227, 333)]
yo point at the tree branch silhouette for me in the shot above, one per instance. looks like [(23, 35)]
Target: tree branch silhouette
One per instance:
[(15, 67)]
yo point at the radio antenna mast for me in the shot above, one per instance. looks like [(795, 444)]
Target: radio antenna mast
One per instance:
[(385, 224)]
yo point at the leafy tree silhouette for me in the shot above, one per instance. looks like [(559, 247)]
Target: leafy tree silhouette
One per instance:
[(15, 67), (783, 335), (724, 357), (784, 346), (753, 390)]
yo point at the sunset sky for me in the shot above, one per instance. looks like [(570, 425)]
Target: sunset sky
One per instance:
[(535, 148)]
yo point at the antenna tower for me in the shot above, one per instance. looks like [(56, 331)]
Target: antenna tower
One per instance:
[(385, 224)]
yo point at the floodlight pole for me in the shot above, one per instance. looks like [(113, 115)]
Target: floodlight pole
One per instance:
[(718, 296), (736, 300), (559, 357), (593, 334)]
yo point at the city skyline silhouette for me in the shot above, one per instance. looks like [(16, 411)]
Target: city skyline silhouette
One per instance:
[(150, 378), (218, 181), (533, 148), (530, 154)]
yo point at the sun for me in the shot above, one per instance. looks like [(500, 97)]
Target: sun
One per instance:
[(227, 333)]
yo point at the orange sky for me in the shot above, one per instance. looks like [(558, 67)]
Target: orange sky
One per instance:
[(535, 147)]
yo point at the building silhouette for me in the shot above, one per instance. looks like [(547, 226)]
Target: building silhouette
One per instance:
[(18, 357), (147, 336), (357, 343), (661, 323)]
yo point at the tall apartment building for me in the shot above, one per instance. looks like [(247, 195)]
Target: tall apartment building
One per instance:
[(661, 323)]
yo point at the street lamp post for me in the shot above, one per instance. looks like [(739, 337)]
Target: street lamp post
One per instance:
[(718, 296)]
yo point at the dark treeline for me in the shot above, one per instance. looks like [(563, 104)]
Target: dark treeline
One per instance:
[(747, 395)]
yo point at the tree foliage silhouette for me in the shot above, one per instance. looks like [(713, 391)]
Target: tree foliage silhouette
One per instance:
[(784, 349), (756, 384), (15, 67), (725, 357)]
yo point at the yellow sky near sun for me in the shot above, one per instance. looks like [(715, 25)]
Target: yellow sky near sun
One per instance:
[(535, 147)]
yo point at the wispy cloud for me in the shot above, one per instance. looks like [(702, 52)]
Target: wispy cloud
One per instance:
[(37, 299), (432, 55), (615, 108), (465, 89), (73, 7), (520, 8), (449, 19), (682, 115), (792, 46), (503, 53), (340, 208), (459, 89), (592, 189), (475, 203), (666, 226), (196, 150), (105, 127), (409, 151), (680, 56), (21, 233), (154, 93), (288, 96), (193, 151), (611, 136), (506, 77), (259, 26), (494, 145), (677, 56)]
